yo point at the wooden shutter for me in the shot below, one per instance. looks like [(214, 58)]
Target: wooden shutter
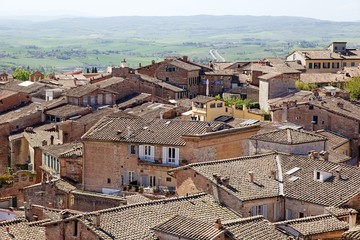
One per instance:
[(164, 155), (264, 210), (141, 152), (177, 156), (152, 152)]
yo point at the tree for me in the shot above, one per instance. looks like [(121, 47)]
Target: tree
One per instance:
[(21, 74), (353, 86)]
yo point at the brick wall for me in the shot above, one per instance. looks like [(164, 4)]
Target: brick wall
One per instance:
[(13, 101)]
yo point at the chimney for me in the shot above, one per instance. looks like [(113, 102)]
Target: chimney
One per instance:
[(352, 219), (185, 58), (51, 140), (225, 181), (75, 82), (324, 155), (129, 131), (97, 220), (44, 143), (7, 229), (50, 205), (251, 176), (152, 62), (161, 115), (273, 174), (338, 174), (139, 65), (340, 105), (218, 224), (217, 178), (209, 128)]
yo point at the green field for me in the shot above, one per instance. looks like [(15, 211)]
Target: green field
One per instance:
[(64, 44)]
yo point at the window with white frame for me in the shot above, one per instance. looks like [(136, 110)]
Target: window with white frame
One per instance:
[(259, 210), (131, 175), (147, 152), (170, 155)]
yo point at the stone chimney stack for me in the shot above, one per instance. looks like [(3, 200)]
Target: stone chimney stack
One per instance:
[(97, 220), (273, 174), (324, 155), (218, 224), (251, 176), (352, 219), (338, 174)]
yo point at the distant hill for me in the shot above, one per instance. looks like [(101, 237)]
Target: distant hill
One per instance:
[(137, 38)]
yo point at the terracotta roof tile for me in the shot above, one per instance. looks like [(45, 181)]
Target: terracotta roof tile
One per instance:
[(152, 131), (253, 228), (21, 229), (315, 224), (289, 136)]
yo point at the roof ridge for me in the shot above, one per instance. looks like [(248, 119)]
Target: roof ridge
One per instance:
[(223, 161), (154, 202), (243, 220), (306, 219)]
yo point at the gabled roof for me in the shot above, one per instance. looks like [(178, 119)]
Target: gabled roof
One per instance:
[(327, 54), (64, 150), (135, 221), (202, 99), (299, 184), (68, 110), (189, 228), (161, 83), (184, 65), (289, 136), (339, 106), (151, 131), (253, 228), (23, 86), (21, 229), (323, 77), (84, 90), (314, 225)]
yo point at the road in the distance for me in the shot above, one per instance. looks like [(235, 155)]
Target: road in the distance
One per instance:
[(216, 56)]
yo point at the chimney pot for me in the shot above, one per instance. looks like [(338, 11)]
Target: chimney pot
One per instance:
[(97, 220), (251, 176), (218, 224)]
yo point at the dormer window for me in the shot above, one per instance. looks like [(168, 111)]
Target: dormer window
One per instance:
[(321, 176)]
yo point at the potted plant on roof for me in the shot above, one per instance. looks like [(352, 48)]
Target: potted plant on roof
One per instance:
[(141, 189)]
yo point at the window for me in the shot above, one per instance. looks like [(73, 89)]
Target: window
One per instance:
[(310, 65), (76, 101), (131, 176), (318, 175), (326, 65), (259, 210), (132, 149), (226, 109), (152, 181), (212, 105), (301, 214), (344, 64), (85, 100), (70, 99), (147, 152), (219, 105), (288, 214), (171, 155), (92, 100), (311, 107), (353, 64), (336, 48), (335, 65), (109, 180), (168, 179), (317, 65), (315, 119)]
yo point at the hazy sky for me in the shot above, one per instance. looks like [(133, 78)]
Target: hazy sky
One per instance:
[(334, 10)]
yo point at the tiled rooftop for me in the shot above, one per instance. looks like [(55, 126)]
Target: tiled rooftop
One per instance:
[(64, 150), (328, 54), (36, 137), (289, 136), (161, 83), (202, 99), (323, 77), (339, 106), (18, 86), (21, 229), (184, 65), (6, 93), (181, 226), (253, 228), (81, 91), (353, 234), (315, 224), (67, 111), (152, 131), (135, 221), (299, 185)]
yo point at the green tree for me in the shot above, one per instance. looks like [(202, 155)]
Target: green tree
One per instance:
[(353, 86), (21, 74)]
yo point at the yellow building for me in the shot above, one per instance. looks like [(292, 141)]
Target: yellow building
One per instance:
[(330, 60), (209, 108)]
